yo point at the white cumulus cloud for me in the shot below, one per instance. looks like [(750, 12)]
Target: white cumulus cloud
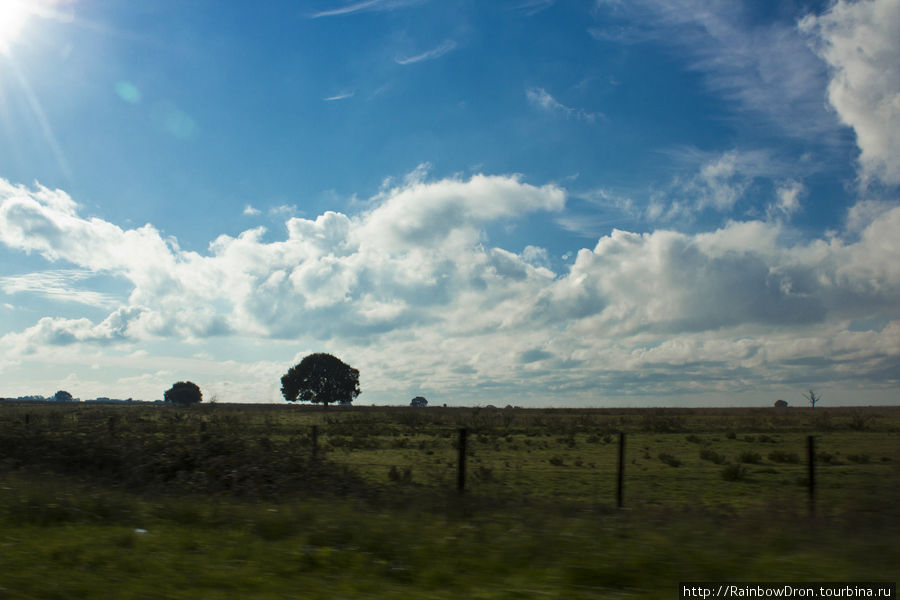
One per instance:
[(412, 293), (860, 40)]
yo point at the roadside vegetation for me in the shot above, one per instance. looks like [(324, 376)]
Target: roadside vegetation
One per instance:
[(231, 501)]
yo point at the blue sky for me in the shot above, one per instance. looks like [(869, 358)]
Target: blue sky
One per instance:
[(584, 203)]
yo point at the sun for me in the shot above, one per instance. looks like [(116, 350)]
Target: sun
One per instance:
[(13, 16)]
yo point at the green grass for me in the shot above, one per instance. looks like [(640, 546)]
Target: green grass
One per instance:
[(228, 502), (63, 540)]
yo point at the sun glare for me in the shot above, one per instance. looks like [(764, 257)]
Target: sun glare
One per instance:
[(13, 16)]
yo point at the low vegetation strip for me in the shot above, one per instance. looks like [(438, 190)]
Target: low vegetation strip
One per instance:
[(229, 502), (180, 454), (674, 457)]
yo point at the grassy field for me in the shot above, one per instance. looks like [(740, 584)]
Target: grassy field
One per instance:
[(228, 501)]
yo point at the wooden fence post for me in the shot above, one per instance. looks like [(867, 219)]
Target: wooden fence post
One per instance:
[(461, 473), (315, 441), (811, 461), (620, 475)]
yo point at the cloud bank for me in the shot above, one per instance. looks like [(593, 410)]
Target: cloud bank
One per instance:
[(412, 293)]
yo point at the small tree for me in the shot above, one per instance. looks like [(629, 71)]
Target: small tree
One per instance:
[(184, 393), (418, 401), (813, 398), (321, 378)]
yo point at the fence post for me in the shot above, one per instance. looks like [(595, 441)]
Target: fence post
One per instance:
[(811, 461), (620, 475), (315, 441), (461, 473)]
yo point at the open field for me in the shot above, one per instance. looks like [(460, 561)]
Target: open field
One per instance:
[(227, 501)]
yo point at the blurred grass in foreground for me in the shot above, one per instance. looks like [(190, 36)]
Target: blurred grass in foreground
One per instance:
[(65, 540), (227, 501)]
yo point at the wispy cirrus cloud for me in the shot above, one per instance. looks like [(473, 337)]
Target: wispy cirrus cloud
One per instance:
[(365, 6), (343, 95), (766, 68), (436, 52), (60, 284), (529, 8), (542, 99)]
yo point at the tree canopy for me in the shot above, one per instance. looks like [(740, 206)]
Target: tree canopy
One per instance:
[(321, 378), (184, 393), (418, 401), (63, 396)]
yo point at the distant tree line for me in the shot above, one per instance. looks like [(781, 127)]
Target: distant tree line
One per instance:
[(64, 396), (319, 378)]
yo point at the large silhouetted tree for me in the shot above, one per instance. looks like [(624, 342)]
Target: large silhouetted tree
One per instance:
[(63, 396), (321, 378), (184, 393)]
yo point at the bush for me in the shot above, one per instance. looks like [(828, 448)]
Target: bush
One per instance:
[(780, 456), (483, 473), (731, 435), (669, 460), (828, 458), (712, 456), (751, 458), (694, 439), (400, 476), (858, 422), (735, 473)]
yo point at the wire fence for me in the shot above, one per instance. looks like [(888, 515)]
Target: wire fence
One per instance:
[(624, 470), (617, 459)]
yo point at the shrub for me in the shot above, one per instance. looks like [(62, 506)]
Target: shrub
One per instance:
[(483, 473), (557, 461), (694, 439), (858, 422), (669, 460), (780, 456), (751, 458), (712, 456), (401, 476), (828, 458), (735, 473), (731, 435)]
